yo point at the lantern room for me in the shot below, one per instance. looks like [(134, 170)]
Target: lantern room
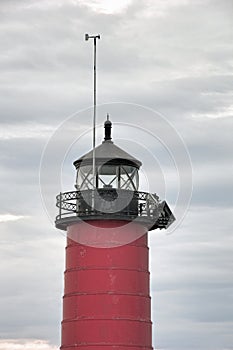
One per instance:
[(114, 168)]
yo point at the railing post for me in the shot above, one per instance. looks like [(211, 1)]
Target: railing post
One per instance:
[(147, 205), (60, 205)]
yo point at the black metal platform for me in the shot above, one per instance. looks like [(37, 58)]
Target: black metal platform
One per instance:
[(112, 204)]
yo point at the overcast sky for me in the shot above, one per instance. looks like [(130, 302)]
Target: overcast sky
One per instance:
[(165, 70)]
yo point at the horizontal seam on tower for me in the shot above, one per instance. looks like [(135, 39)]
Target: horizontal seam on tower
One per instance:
[(106, 344), (103, 268), (106, 292), (128, 319), (117, 246)]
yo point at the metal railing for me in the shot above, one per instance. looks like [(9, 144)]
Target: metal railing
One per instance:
[(113, 204), (107, 201)]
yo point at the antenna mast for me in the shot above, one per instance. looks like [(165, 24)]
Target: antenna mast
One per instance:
[(87, 37)]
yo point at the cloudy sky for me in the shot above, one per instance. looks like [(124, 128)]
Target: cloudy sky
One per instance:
[(165, 74)]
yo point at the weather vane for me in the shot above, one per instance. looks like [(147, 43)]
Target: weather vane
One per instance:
[(87, 37)]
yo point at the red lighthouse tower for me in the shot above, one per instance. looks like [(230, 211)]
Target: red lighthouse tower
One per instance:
[(106, 302)]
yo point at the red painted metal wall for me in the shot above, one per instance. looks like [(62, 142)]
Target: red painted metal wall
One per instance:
[(106, 303)]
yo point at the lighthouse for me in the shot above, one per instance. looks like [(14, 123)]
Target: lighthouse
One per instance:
[(106, 303)]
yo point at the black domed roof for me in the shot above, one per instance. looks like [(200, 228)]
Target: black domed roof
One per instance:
[(109, 153)]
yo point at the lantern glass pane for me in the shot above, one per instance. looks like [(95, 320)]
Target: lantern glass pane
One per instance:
[(107, 176), (128, 178), (84, 178), (107, 169)]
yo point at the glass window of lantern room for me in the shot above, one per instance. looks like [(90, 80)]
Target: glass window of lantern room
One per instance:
[(128, 178), (84, 178), (107, 176)]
